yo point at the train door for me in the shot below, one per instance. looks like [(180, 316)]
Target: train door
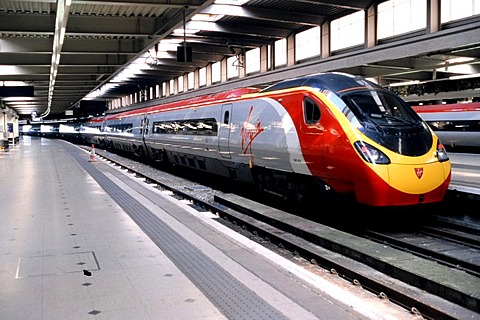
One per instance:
[(224, 131), (101, 134), (144, 127), (312, 133), (145, 131)]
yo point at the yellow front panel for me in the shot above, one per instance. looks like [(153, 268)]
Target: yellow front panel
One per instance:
[(405, 178)]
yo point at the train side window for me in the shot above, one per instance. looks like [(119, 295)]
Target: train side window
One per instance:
[(126, 128), (311, 111), (226, 117), (206, 127)]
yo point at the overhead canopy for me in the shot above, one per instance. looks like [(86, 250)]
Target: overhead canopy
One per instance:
[(68, 48)]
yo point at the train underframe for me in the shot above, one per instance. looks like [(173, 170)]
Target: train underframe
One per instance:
[(287, 185)]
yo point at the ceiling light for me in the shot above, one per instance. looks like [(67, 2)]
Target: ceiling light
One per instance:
[(460, 60), (179, 31), (10, 99), (407, 83), (206, 17), (465, 76), (13, 83), (233, 2)]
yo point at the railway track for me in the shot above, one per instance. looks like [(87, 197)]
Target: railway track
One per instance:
[(341, 252), (452, 244)]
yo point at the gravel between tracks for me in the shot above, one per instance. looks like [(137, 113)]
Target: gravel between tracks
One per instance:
[(192, 188)]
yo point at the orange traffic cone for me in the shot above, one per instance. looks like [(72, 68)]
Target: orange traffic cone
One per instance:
[(93, 157)]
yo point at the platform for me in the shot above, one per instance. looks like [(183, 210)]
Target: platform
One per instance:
[(81, 239)]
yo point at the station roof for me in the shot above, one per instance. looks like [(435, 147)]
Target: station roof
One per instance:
[(66, 49)]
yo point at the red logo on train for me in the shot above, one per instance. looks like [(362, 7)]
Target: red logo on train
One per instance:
[(419, 172), (249, 132)]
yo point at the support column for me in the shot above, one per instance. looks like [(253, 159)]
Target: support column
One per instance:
[(325, 40), (241, 66), (167, 88), (175, 86), (196, 79), (223, 70), (434, 23), (371, 26), (209, 74), (264, 58), (3, 131), (291, 50), (185, 82), (16, 131)]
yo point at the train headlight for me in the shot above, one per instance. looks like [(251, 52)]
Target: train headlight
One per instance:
[(441, 152), (370, 153)]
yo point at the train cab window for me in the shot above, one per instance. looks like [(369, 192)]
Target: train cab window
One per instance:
[(311, 111), (381, 108), (226, 117)]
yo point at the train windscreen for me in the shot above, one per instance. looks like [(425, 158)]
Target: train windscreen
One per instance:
[(386, 119)]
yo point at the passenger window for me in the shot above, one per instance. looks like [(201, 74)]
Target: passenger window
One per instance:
[(226, 117), (311, 111)]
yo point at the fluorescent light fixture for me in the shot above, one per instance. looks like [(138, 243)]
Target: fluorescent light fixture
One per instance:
[(100, 92), (62, 35), (460, 60), (179, 31), (233, 2), (206, 17), (12, 99), (13, 84), (465, 76), (407, 83), (162, 55), (166, 41), (11, 70), (18, 103)]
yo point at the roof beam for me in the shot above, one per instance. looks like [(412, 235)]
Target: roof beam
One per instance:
[(149, 3), (42, 24), (145, 3), (39, 46), (78, 26), (277, 33), (265, 14), (343, 4), (94, 25)]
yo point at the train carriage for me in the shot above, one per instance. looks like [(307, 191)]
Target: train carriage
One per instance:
[(92, 131), (123, 132)]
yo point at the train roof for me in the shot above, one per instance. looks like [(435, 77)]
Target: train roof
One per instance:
[(333, 81), (455, 107), (224, 95), (95, 119), (337, 82)]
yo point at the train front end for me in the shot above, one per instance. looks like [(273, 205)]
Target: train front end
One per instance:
[(393, 179), (400, 159)]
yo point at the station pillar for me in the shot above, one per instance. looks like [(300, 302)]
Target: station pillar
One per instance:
[(9, 131), (3, 131)]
